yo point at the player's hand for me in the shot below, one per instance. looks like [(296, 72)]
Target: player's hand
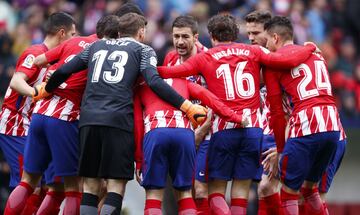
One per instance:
[(317, 50), (195, 113), (138, 176), (202, 130), (245, 122), (271, 162), (40, 92)]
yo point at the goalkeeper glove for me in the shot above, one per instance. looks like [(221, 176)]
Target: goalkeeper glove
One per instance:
[(195, 113), (40, 92)]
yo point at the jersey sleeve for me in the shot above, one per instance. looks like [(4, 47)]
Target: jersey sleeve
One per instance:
[(189, 67), (277, 114), (64, 72), (53, 55), (85, 54), (285, 60), (26, 63), (209, 99), (138, 130), (156, 83)]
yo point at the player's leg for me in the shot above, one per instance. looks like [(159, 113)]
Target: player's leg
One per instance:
[(181, 167), (63, 139), (304, 158), (36, 158), (53, 198), (200, 182), (330, 172), (221, 160), (90, 158), (13, 150), (326, 147), (155, 169), (268, 190), (217, 202), (245, 168), (117, 166)]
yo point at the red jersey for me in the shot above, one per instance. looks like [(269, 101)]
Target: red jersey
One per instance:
[(65, 102), (17, 109), (151, 112), (232, 72), (173, 59), (309, 87)]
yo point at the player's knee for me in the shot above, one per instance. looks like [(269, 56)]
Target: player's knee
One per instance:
[(31, 179), (201, 192), (265, 188)]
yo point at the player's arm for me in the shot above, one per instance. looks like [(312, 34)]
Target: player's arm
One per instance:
[(277, 114), (19, 84), (209, 99), (51, 56), (76, 64), (138, 132), (163, 90), (188, 68), (203, 130), (25, 70), (285, 60)]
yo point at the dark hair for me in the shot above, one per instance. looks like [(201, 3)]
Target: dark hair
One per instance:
[(280, 25), (258, 16), (108, 27), (223, 27), (128, 8), (57, 21), (186, 21), (130, 24)]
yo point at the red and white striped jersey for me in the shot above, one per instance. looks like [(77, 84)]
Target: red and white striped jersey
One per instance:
[(309, 87), (252, 115), (17, 109), (232, 72), (265, 106), (64, 104), (314, 120)]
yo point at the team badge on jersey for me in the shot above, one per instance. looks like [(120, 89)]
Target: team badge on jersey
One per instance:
[(29, 61)]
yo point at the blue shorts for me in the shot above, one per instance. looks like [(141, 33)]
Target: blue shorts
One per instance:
[(307, 157), (168, 151), (49, 176), (13, 150), (268, 142), (234, 153), (55, 140), (331, 170), (201, 162)]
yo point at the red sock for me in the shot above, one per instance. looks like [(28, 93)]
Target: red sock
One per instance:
[(51, 203), (273, 204), (326, 210), (72, 203), (238, 206), (187, 206), (262, 209), (302, 209), (33, 203), (218, 204), (153, 207), (313, 202), (289, 203), (17, 199), (202, 206)]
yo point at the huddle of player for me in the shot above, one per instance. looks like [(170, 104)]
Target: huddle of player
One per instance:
[(126, 117)]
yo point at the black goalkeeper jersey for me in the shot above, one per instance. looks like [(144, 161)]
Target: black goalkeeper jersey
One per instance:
[(113, 68)]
